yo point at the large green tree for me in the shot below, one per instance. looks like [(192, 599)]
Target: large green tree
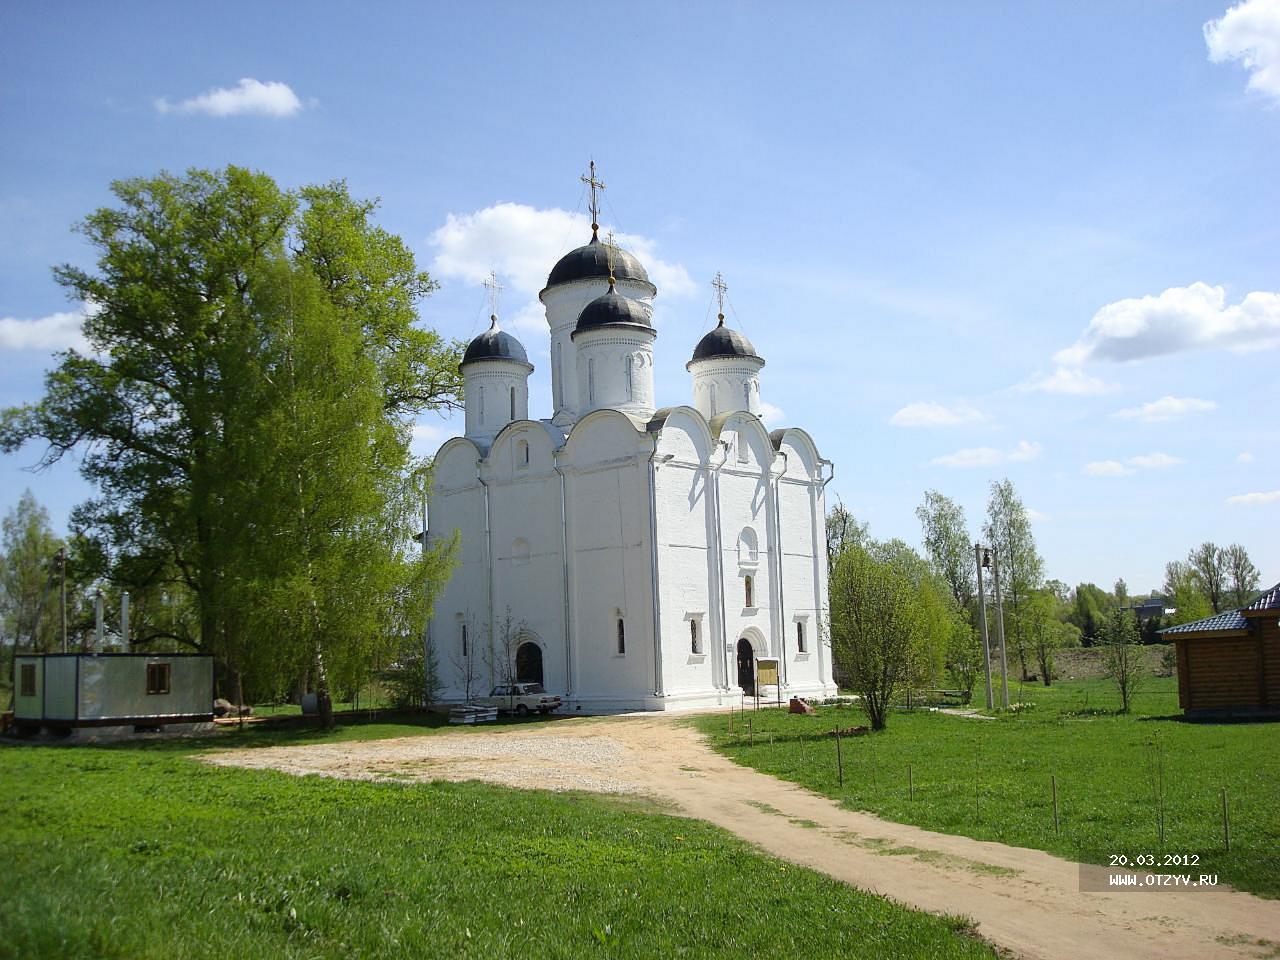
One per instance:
[(1008, 529), (219, 304), (947, 544), (1208, 563), (890, 622), (1242, 578)]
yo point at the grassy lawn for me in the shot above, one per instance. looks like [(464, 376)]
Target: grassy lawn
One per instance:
[(990, 779), (140, 851)]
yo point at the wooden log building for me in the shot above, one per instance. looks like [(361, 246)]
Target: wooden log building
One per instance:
[(1229, 664)]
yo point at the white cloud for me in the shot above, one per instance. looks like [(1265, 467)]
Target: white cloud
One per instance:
[(989, 456), (1166, 408), (521, 243), (1253, 499), (1067, 381), (771, 415), (933, 415), (57, 331), (270, 99), (1244, 457), (1195, 317), (1146, 461), (1250, 33), (1155, 461), (1035, 516), (1107, 468)]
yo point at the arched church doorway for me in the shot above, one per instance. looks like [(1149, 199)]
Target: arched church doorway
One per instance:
[(746, 667), (529, 663)]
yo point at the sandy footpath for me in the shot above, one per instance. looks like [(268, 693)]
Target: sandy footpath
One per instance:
[(1026, 901)]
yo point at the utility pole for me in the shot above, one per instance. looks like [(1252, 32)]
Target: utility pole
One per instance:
[(99, 624), (982, 622), (62, 573), (1004, 669)]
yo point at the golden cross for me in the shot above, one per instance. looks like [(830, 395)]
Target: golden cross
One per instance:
[(491, 282), (608, 250), (721, 287), (595, 185)]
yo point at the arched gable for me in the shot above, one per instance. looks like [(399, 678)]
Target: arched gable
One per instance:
[(523, 446), (454, 465), (803, 459), (682, 433), (750, 441), (605, 435)]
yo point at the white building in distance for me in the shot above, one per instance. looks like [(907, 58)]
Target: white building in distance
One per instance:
[(646, 558)]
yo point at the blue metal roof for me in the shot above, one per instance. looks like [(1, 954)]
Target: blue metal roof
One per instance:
[(1268, 601), (1227, 620)]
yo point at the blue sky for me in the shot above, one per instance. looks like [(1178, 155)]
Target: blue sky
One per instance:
[(971, 241)]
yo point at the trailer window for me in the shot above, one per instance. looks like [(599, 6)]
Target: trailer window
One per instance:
[(28, 680), (157, 678)]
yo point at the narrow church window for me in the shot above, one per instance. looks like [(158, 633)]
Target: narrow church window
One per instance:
[(713, 399), (482, 404), (629, 380), (513, 403), (800, 647), (464, 639), (693, 636), (591, 382), (749, 590), (746, 395), (622, 638), (522, 454), (743, 446)]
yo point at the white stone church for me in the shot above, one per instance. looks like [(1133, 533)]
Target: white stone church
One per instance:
[(648, 557)]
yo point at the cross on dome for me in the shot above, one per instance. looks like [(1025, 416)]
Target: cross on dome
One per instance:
[(590, 180), (494, 288), (721, 288)]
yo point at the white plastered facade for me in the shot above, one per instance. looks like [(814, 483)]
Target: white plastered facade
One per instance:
[(621, 540)]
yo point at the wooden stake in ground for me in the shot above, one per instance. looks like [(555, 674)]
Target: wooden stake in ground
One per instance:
[(1226, 821), (1053, 781), (911, 787), (839, 759)]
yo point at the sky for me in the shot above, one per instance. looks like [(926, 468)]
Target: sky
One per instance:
[(971, 241)]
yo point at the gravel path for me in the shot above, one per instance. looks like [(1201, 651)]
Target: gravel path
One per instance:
[(1027, 901)]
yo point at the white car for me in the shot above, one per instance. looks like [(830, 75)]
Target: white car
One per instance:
[(521, 698)]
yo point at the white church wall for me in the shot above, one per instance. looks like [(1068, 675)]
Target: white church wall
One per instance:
[(686, 563), (524, 498), (606, 461), (804, 563), (457, 505)]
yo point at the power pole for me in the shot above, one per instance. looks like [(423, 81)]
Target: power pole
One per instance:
[(1004, 670), (982, 622)]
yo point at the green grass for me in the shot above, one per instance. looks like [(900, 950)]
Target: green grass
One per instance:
[(990, 779), (140, 851)]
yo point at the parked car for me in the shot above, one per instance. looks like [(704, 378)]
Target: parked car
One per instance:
[(521, 698)]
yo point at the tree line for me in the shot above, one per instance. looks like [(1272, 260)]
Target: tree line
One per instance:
[(900, 619), (244, 412)]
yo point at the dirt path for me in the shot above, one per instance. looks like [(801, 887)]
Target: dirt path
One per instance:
[(1023, 900)]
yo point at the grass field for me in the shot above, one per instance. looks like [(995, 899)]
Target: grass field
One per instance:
[(140, 851), (991, 779)]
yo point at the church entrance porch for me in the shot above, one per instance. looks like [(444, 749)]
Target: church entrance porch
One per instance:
[(746, 667), (529, 663)]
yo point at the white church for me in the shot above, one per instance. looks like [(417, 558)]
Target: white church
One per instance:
[(647, 557)]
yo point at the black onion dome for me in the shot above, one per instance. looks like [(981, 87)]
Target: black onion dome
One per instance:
[(494, 344), (613, 310), (591, 262), (723, 342)]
